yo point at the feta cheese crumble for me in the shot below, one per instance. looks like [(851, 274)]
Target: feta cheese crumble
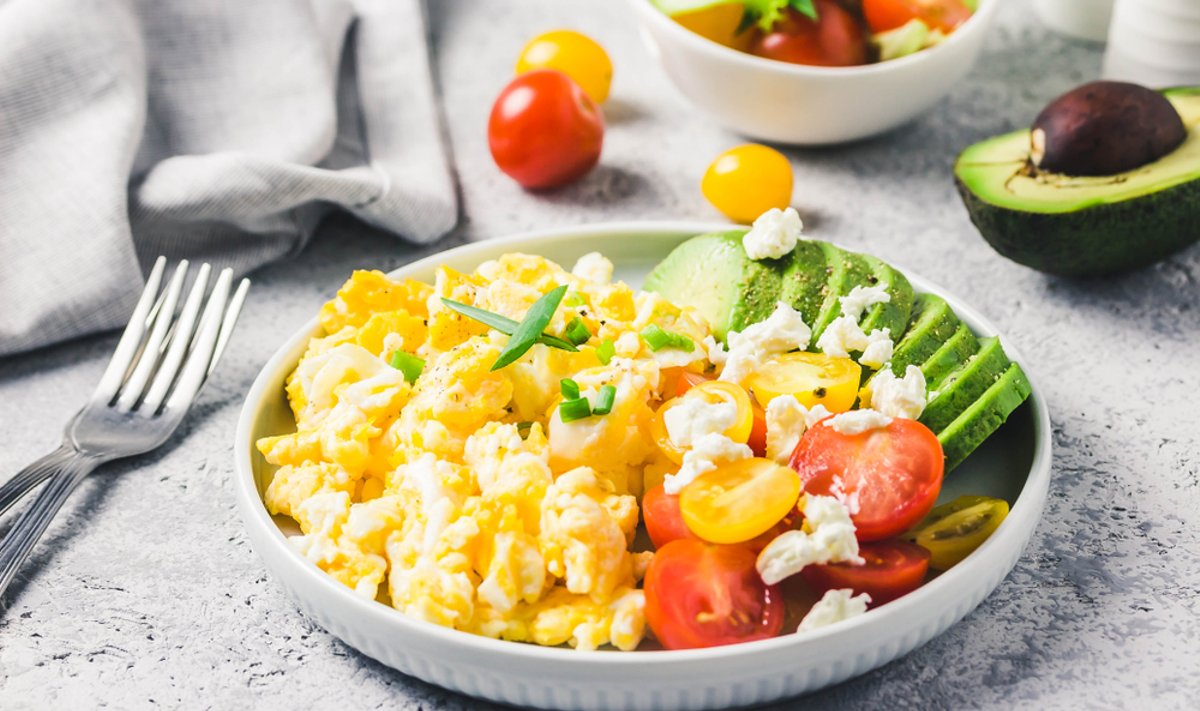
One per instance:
[(862, 298), (899, 397), (842, 336), (830, 539), (694, 417), (593, 267), (783, 331), (834, 606), (705, 455), (879, 349), (774, 234), (717, 355), (858, 421), (787, 420)]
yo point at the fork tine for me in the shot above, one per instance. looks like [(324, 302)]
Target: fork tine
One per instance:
[(227, 324), (181, 337), (201, 354), (135, 385), (127, 348)]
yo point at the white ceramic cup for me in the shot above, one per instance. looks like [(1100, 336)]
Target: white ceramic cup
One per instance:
[(1154, 42), (1082, 19)]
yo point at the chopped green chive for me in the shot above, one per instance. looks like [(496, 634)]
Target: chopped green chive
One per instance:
[(574, 409), (657, 339), (503, 324), (408, 364), (569, 389), (573, 299), (606, 350), (577, 332), (529, 331), (605, 400), (523, 428)]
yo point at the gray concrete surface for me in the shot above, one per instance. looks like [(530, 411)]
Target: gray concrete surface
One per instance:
[(146, 594)]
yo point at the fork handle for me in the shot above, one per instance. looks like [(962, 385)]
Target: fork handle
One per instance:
[(34, 520), (28, 478)]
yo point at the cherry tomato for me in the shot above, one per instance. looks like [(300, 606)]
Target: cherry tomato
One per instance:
[(834, 39), (701, 595), (664, 522), (758, 433), (814, 378), (953, 531), (893, 473), (544, 131), (720, 24), (893, 568), (712, 391), (746, 181), (945, 15), (688, 380), (574, 54), (739, 501)]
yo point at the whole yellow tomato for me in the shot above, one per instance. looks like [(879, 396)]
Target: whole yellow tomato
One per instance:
[(574, 54)]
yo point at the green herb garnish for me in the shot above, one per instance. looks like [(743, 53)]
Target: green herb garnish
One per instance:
[(529, 331), (408, 364), (605, 400), (574, 409), (577, 332), (658, 339), (605, 351), (504, 324), (574, 299), (569, 388)]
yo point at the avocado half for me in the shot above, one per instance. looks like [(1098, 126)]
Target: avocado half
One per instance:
[(1084, 225)]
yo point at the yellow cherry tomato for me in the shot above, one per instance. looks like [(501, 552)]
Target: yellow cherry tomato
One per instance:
[(746, 181), (713, 392), (952, 531), (720, 24), (574, 54), (814, 378), (738, 501)]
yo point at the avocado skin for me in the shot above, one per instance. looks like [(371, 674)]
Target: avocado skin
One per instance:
[(984, 416), (1103, 239)]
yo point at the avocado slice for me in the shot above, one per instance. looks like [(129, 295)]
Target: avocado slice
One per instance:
[(712, 274), (932, 323), (953, 353), (846, 271), (806, 280), (964, 385), (1084, 225), (984, 416), (894, 314)]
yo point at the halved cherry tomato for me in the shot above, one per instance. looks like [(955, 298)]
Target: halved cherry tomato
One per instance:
[(687, 380), (814, 378), (758, 433), (891, 474), (746, 181), (834, 39), (893, 568), (739, 500), (664, 522), (574, 54), (712, 391), (544, 131), (945, 15), (719, 23), (953, 531), (702, 595)]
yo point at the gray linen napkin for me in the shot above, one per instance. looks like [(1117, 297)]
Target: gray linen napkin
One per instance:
[(220, 130)]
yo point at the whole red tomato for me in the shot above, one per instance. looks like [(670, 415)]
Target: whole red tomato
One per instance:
[(834, 39), (544, 131)]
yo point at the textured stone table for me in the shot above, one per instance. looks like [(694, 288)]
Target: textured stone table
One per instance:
[(146, 594)]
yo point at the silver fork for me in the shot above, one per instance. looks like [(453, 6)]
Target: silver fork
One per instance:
[(160, 364)]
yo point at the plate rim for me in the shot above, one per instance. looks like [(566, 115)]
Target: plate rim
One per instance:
[(254, 513)]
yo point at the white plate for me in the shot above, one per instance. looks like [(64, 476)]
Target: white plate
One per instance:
[(1013, 464)]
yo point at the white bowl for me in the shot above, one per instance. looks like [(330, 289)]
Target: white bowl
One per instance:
[(791, 103), (1013, 464)]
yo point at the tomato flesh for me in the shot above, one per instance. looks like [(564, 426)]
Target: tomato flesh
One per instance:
[(664, 522), (945, 15), (834, 39), (739, 501), (544, 131), (713, 392), (812, 378), (889, 477), (954, 530), (893, 568), (703, 595)]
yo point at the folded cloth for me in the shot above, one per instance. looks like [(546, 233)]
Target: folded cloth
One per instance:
[(220, 130)]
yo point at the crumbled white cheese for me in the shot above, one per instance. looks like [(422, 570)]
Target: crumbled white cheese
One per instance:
[(717, 355), (858, 421), (842, 336), (879, 349), (783, 331), (862, 298), (706, 454), (899, 397), (787, 420), (593, 267), (830, 539), (834, 606), (774, 234), (695, 417)]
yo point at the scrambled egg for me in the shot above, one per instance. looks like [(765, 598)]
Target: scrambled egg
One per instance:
[(463, 498)]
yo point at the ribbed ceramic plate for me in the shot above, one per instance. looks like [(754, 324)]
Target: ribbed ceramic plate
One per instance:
[(1013, 464)]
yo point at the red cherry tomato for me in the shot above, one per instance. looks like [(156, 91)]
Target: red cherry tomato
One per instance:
[(834, 39), (893, 568), (894, 473), (664, 522), (704, 595), (945, 15), (544, 131), (688, 380)]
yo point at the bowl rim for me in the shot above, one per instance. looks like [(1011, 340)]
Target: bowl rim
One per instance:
[(255, 516), (977, 22)]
